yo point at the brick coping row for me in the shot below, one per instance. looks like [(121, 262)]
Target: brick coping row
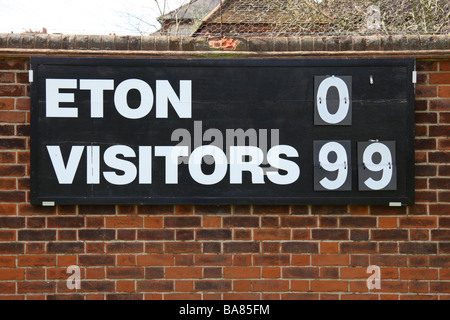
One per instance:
[(28, 42)]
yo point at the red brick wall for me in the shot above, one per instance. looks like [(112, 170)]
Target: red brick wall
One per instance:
[(227, 252)]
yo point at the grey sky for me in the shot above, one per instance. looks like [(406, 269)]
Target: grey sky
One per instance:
[(79, 16)]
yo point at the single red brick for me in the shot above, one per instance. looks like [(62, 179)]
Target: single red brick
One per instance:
[(439, 131), (241, 272), (440, 105), (240, 222), (418, 274), (421, 105), (213, 285), (439, 157), (155, 260), (427, 65), (272, 234), (426, 196), (29, 210), (425, 144), (22, 77), (426, 117), (23, 104), (444, 65), (329, 247), (270, 285), (444, 196), (213, 260), (241, 247), (12, 170), (422, 78), (36, 287), (271, 260), (389, 234), (7, 261), (12, 90), (301, 273), (13, 143), (440, 287), (418, 222), (12, 274), (156, 234), (7, 235), (358, 247), (330, 260), (125, 273), (12, 64), (425, 170), (358, 222), (299, 222), (300, 247), (36, 235), (125, 247), (440, 78), (36, 261), (418, 248), (183, 273), (440, 183), (65, 222), (124, 222), (97, 286), (65, 247), (440, 235), (330, 234), (153, 222), (184, 210), (7, 77), (329, 286), (6, 103), (182, 222), (444, 91), (426, 91)]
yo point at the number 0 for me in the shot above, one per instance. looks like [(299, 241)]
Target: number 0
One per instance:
[(344, 100)]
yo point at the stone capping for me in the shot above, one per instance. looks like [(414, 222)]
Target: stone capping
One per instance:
[(28, 42)]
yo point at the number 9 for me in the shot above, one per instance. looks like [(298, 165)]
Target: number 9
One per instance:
[(385, 165), (340, 165)]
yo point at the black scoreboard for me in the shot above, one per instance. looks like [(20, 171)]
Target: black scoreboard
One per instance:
[(200, 131)]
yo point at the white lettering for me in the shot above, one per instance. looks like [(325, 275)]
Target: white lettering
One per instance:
[(121, 99), (123, 171), (165, 93), (238, 164), (65, 173), (93, 164), (74, 282), (182, 103), (54, 98), (374, 281), (145, 165), (171, 154), (293, 170), (220, 161), (113, 162), (96, 86)]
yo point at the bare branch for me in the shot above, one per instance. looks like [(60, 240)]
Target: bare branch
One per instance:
[(302, 17)]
